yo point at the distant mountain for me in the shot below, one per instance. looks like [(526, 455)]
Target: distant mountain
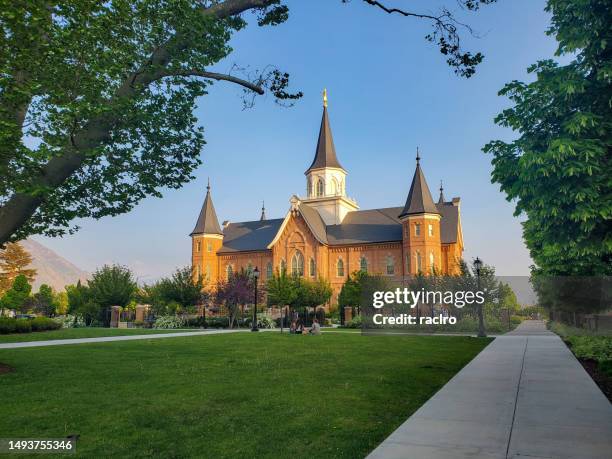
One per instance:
[(51, 268)]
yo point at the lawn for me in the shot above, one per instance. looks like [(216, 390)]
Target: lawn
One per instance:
[(235, 395), (69, 333)]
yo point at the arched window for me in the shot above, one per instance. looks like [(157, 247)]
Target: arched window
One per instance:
[(283, 266), (390, 266), (229, 271), (312, 268), (334, 187), (249, 269), (417, 229), (309, 184), (269, 270), (419, 262), (432, 266), (297, 264), (363, 264), (430, 230), (320, 187), (198, 246), (340, 268)]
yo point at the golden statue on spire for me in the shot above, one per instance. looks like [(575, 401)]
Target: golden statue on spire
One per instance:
[(325, 97)]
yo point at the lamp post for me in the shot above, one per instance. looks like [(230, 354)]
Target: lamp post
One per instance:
[(256, 277), (481, 327)]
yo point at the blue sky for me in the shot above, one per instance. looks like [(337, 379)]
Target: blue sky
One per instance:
[(389, 91)]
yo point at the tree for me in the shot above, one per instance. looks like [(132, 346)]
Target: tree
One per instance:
[(280, 289), (182, 290), (111, 286), (350, 294), (17, 296), (14, 260), (107, 92), (80, 303), (558, 170), (238, 290), (44, 301)]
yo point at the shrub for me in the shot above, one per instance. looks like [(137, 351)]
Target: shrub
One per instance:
[(598, 348), (44, 323), (7, 325), (23, 326), (263, 321), (169, 322), (355, 322), (197, 322), (218, 322)]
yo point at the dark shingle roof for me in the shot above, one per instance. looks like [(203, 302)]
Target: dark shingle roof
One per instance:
[(325, 155), (358, 227), (249, 236), (419, 198), (367, 226), (207, 223)]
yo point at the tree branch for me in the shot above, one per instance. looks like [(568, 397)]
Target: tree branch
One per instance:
[(214, 76), (21, 206)]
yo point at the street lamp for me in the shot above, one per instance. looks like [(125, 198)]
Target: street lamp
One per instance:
[(256, 277), (481, 328)]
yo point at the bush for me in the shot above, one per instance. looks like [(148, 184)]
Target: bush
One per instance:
[(355, 322), (23, 326), (44, 323), (70, 321), (218, 322), (7, 325), (263, 321), (196, 322), (169, 322)]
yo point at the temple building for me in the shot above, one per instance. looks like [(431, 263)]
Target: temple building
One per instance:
[(324, 233)]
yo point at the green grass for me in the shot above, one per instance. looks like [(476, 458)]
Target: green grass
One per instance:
[(70, 333), (235, 395)]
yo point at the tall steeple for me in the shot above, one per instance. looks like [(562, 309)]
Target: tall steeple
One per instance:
[(441, 198), (207, 223), (419, 198), (263, 211), (325, 155)]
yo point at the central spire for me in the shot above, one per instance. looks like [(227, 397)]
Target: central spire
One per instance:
[(207, 223), (325, 156)]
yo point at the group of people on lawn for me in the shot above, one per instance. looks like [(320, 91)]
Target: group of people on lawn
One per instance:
[(297, 328)]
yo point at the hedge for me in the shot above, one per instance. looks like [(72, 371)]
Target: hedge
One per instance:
[(11, 325)]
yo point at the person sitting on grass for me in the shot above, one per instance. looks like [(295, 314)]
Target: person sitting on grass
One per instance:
[(316, 328), (293, 327), (300, 327)]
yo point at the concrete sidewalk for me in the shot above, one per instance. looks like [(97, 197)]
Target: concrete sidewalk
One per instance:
[(105, 339), (524, 395)]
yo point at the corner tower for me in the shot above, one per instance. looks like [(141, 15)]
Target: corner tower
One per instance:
[(421, 227), (206, 240), (326, 178)]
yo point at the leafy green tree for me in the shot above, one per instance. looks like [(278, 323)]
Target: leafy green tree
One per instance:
[(17, 296), (44, 301), (558, 170), (111, 286), (183, 291), (107, 91), (238, 290), (280, 289), (80, 303)]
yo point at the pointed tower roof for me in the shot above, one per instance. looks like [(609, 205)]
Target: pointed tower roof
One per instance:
[(419, 198), (441, 198), (207, 223), (325, 155), (263, 211)]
